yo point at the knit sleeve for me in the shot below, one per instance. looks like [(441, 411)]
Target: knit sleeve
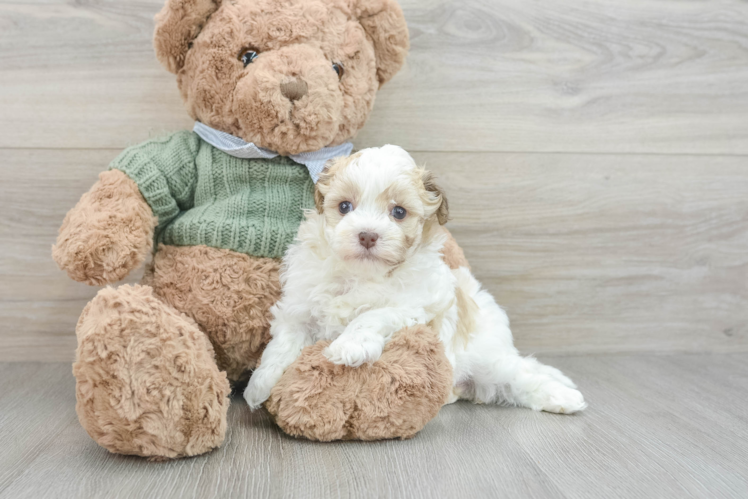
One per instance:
[(165, 171)]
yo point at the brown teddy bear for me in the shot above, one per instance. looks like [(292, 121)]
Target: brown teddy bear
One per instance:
[(277, 87)]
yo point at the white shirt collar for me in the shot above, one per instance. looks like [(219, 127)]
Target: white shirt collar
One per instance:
[(314, 161)]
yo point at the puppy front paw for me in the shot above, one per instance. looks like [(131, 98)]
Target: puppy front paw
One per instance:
[(558, 398), (257, 391), (354, 352)]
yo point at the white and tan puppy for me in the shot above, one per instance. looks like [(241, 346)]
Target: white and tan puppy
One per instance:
[(368, 264)]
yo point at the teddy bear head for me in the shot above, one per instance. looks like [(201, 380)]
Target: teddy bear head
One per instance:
[(288, 75)]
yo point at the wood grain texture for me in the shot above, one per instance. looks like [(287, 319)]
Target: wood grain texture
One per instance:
[(605, 253), (657, 426), (39, 304), (588, 253), (483, 75)]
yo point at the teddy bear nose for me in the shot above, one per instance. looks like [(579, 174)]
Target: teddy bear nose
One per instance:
[(368, 240), (294, 89)]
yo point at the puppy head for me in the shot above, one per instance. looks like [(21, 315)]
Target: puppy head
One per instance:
[(379, 207)]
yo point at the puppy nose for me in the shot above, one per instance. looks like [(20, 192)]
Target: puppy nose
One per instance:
[(294, 89), (368, 240)]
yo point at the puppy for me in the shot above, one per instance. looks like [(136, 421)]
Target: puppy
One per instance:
[(368, 264)]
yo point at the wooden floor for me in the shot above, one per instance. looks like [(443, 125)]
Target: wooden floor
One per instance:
[(657, 426)]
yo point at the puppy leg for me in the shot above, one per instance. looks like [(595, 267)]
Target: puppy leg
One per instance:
[(490, 369), (556, 375), (531, 386), (364, 338), (289, 338), (355, 349)]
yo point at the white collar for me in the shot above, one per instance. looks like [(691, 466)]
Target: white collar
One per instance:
[(314, 161)]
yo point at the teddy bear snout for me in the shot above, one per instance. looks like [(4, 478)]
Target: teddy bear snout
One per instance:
[(294, 89)]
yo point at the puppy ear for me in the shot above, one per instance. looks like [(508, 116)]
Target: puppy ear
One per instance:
[(384, 22), (319, 199), (437, 197), (323, 184), (178, 23)]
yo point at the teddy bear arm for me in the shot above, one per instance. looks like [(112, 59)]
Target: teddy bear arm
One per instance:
[(107, 234), (165, 172), (394, 397), (111, 230)]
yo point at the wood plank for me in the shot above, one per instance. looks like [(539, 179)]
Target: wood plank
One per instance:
[(39, 305), (257, 460), (483, 75), (647, 433), (636, 444), (38, 403), (588, 253), (607, 253)]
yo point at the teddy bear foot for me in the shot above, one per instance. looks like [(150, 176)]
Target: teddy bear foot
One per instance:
[(393, 397), (146, 381)]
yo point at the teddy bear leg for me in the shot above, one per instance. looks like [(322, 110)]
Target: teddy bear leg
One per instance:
[(228, 294), (146, 381), (394, 397)]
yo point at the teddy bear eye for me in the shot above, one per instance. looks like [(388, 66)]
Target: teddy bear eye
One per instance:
[(248, 56), (338, 69), (345, 207), (399, 213)]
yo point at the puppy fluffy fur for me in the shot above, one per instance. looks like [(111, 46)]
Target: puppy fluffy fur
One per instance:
[(368, 264)]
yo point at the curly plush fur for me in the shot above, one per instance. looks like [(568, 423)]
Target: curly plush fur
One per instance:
[(146, 380), (108, 233), (154, 362), (227, 294), (296, 41), (392, 398)]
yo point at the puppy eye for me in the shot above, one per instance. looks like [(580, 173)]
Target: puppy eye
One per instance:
[(247, 56), (338, 69), (345, 207), (399, 213)]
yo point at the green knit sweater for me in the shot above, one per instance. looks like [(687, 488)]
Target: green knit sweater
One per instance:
[(203, 196)]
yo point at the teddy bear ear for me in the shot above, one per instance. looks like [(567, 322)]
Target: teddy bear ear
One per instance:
[(178, 23), (384, 22)]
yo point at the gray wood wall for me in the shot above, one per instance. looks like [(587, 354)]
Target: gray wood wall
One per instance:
[(595, 154)]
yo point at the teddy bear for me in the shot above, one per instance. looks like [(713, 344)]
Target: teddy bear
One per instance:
[(277, 88)]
